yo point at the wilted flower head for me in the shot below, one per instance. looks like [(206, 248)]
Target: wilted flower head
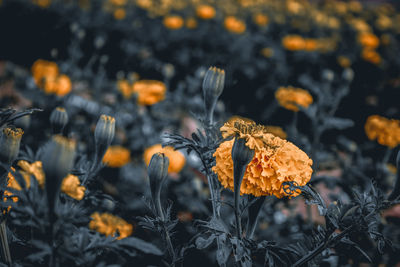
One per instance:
[(10, 141), (385, 131), (117, 156), (110, 225), (176, 159), (72, 187), (58, 120), (290, 98), (275, 161)]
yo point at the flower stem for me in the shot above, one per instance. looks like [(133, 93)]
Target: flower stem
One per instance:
[(238, 173), (4, 243)]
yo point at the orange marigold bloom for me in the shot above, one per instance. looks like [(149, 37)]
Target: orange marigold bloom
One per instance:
[(294, 42), (43, 70), (119, 13), (343, 61), (290, 98), (117, 156), (371, 56), (173, 22), (191, 23), (125, 88), (311, 44), (205, 12), (71, 186), (261, 20), (60, 85), (275, 161), (234, 25), (385, 131), (35, 169), (176, 159), (149, 92), (110, 225), (368, 40)]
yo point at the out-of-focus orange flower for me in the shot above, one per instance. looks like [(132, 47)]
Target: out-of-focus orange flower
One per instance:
[(117, 156), (385, 131), (276, 130), (267, 52), (234, 25), (176, 159), (205, 12), (125, 88), (344, 61), (293, 42), (310, 44), (118, 2), (43, 70), (383, 23), (368, 40), (60, 85), (275, 160), (261, 20), (173, 22), (191, 23), (149, 92), (119, 13), (371, 56), (42, 3), (72, 187), (290, 98), (35, 169), (110, 225)]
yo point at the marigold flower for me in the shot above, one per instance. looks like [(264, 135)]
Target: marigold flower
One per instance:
[(173, 22), (43, 3), (42, 70), (290, 98), (344, 61), (311, 44), (72, 187), (371, 56), (234, 25), (10, 140), (35, 169), (191, 23), (385, 131), (119, 13), (149, 92), (267, 52), (176, 159), (368, 40), (205, 12), (117, 156), (261, 20), (293, 42), (275, 160), (60, 85), (110, 225)]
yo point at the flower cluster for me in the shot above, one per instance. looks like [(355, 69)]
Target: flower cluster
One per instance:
[(275, 161), (385, 131), (149, 92), (47, 77), (110, 225), (291, 98)]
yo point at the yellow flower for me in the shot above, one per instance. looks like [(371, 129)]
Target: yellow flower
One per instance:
[(72, 187), (117, 156), (290, 98), (385, 131), (173, 22), (275, 161), (205, 12), (110, 225), (234, 25), (176, 159)]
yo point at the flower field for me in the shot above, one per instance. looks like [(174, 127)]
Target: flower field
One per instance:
[(199, 133)]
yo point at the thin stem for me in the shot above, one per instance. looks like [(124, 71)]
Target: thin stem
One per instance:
[(170, 248), (4, 243), (238, 173)]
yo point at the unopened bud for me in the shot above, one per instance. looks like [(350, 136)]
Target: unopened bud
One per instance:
[(158, 171), (58, 120), (9, 144), (103, 136), (241, 154), (213, 86)]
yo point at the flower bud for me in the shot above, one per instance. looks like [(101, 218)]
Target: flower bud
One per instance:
[(58, 120), (241, 154), (103, 136), (58, 159), (158, 171), (213, 85), (9, 144)]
